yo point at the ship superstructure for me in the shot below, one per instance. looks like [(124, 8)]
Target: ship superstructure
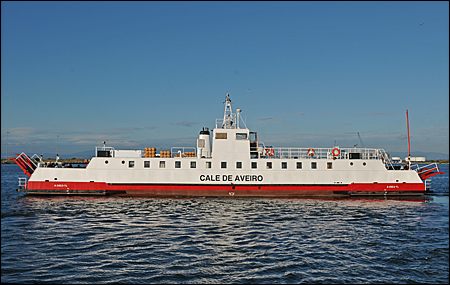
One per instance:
[(229, 161)]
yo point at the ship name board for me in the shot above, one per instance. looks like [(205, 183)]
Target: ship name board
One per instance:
[(230, 177)]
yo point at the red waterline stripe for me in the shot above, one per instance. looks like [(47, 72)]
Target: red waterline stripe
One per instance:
[(97, 186)]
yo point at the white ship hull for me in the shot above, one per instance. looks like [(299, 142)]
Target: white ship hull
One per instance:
[(236, 165)]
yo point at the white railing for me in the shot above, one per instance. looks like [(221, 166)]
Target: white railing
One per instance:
[(104, 148), (22, 182), (325, 153), (182, 150), (425, 169)]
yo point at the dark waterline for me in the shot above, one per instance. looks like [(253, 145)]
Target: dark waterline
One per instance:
[(145, 240)]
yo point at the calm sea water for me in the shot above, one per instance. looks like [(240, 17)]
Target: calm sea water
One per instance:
[(144, 240)]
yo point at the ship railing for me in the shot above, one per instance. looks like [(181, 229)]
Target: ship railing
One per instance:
[(426, 171), (104, 151), (325, 153), (23, 182), (230, 124), (419, 168), (182, 151), (386, 159)]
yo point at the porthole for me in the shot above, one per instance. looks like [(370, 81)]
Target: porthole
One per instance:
[(364, 163), (123, 161), (351, 163), (106, 162)]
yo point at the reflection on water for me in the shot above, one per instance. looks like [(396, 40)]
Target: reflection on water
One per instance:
[(227, 240)]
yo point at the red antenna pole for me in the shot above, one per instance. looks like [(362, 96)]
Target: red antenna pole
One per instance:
[(409, 149)]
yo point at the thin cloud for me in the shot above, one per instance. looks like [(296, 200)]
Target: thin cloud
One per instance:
[(298, 114), (130, 129), (22, 131), (375, 114), (266, 118), (185, 123)]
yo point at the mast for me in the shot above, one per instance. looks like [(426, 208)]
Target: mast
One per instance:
[(228, 116), (409, 149)]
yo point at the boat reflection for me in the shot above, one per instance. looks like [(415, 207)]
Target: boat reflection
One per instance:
[(365, 199)]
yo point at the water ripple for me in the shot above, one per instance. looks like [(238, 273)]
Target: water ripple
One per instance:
[(145, 240)]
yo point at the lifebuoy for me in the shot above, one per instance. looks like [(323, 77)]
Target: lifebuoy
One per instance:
[(311, 152), (270, 152), (335, 152)]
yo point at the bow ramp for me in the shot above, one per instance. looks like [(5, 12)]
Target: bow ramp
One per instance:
[(428, 171), (25, 163)]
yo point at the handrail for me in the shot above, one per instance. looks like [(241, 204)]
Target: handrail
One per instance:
[(23, 182), (326, 153), (182, 150), (97, 148)]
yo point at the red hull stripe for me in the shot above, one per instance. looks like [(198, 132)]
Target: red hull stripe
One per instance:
[(62, 187)]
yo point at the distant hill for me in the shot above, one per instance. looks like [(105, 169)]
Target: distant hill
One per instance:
[(427, 155), (81, 155)]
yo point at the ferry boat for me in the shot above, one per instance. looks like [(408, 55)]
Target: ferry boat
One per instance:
[(229, 161)]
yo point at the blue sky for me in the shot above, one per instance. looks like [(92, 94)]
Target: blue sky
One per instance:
[(152, 74)]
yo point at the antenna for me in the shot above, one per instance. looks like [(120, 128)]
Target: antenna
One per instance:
[(409, 149), (228, 115)]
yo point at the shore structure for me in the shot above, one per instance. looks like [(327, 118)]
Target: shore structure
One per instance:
[(229, 161)]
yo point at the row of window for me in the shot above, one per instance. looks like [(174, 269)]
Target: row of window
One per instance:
[(223, 164), (239, 136)]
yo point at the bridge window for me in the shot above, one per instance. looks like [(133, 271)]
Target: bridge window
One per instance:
[(269, 165), (254, 164), (299, 165), (221, 136), (238, 164), (329, 165), (241, 136), (146, 164), (162, 164), (223, 164), (193, 164), (177, 164), (355, 155), (313, 165), (208, 164), (284, 165), (131, 164)]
